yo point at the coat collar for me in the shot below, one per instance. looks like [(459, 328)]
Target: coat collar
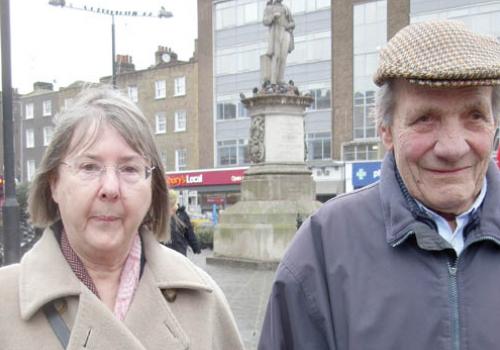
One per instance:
[(403, 219), (171, 269), (46, 276)]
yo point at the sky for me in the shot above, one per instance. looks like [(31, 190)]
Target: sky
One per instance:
[(63, 45)]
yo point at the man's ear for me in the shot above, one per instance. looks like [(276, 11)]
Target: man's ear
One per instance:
[(385, 133)]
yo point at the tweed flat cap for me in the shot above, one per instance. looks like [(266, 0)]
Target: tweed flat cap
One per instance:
[(440, 53)]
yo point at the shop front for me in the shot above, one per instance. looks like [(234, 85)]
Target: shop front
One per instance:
[(360, 174), (207, 191)]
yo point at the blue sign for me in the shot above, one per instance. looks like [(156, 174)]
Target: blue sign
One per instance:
[(365, 173)]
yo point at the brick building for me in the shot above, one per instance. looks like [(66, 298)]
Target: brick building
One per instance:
[(167, 94)]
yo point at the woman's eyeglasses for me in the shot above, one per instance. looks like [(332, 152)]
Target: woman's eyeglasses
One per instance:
[(129, 172)]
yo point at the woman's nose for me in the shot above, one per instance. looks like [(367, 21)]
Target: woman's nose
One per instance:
[(110, 184)]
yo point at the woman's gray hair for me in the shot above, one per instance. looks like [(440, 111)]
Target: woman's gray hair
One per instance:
[(385, 102), (93, 108)]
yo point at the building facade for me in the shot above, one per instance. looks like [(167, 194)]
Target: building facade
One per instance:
[(36, 127), (336, 54), (167, 93)]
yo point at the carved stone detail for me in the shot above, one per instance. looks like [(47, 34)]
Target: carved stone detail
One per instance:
[(256, 143)]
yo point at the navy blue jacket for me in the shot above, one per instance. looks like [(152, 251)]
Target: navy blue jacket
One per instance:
[(368, 271)]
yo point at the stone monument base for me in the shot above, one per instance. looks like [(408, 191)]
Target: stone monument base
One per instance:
[(258, 229)]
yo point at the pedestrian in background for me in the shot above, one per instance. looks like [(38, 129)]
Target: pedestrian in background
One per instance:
[(98, 278), (411, 262), (181, 230)]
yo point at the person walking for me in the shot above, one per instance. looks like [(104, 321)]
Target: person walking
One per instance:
[(181, 230)]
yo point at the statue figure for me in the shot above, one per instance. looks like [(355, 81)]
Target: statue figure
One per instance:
[(278, 18)]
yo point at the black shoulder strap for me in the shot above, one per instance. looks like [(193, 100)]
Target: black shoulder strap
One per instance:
[(57, 323)]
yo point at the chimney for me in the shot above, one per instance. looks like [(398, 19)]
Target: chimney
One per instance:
[(164, 55), (124, 64), (40, 85)]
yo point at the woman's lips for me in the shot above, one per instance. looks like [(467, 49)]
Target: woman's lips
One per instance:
[(106, 218)]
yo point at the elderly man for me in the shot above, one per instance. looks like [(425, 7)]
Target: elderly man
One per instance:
[(413, 261)]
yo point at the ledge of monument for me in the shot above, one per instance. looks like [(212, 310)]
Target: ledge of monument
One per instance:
[(278, 168), (278, 99), (245, 211), (238, 262)]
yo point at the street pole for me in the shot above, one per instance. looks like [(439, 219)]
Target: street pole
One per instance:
[(161, 14), (113, 49), (11, 239)]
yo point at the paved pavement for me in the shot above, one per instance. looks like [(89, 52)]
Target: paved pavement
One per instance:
[(246, 290)]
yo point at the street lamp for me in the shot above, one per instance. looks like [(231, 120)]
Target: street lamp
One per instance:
[(162, 13), (10, 209)]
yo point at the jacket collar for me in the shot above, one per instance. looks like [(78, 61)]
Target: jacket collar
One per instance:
[(404, 218), (46, 276)]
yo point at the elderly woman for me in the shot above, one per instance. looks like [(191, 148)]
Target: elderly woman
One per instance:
[(98, 278)]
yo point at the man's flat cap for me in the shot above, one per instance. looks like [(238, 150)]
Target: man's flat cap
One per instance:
[(440, 53)]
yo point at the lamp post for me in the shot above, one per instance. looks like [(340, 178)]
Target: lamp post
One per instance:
[(11, 234), (162, 13)]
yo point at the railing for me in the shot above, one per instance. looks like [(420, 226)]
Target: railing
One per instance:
[(28, 238)]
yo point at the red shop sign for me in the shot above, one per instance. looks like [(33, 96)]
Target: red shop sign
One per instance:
[(205, 178)]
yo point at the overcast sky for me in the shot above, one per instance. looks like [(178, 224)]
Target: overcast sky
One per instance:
[(62, 45)]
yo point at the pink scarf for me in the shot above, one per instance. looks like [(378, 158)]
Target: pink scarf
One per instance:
[(129, 278)]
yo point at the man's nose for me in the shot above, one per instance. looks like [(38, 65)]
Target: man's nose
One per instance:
[(452, 141)]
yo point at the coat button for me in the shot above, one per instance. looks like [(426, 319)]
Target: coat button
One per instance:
[(60, 306), (170, 295)]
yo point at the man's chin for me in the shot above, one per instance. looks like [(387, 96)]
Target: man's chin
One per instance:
[(449, 203)]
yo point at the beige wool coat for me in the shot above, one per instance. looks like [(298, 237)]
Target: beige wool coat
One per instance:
[(176, 305)]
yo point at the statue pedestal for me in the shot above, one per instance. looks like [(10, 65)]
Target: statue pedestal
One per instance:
[(277, 189)]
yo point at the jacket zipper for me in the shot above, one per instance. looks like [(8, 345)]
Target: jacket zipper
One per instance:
[(453, 291), (453, 301)]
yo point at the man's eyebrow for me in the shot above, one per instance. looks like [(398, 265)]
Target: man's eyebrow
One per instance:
[(423, 110), (479, 104)]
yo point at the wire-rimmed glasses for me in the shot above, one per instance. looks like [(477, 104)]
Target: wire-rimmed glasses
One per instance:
[(130, 172)]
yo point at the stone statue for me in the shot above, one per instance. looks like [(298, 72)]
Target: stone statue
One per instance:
[(278, 18), (256, 144)]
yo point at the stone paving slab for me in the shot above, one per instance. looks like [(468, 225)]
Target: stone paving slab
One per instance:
[(247, 291)]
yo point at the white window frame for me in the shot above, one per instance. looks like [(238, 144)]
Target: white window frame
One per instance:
[(29, 111), (163, 158), (180, 118), (30, 169), (160, 123), (47, 108), (48, 132), (133, 93), (180, 86), (160, 89), (68, 102), (30, 138), (180, 155)]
